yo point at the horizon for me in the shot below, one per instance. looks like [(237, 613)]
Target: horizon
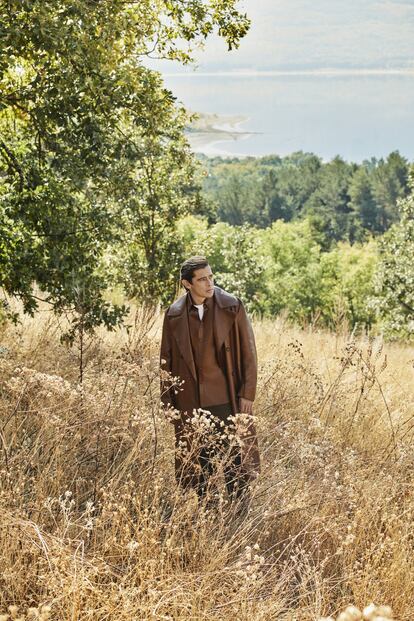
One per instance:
[(328, 71), (312, 35)]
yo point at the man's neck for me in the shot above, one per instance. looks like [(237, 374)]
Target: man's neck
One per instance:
[(197, 300)]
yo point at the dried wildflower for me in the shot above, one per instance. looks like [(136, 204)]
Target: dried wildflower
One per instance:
[(384, 611), (370, 613), (351, 613), (377, 613), (45, 612), (14, 611)]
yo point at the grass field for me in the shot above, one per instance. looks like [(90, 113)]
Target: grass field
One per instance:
[(93, 525)]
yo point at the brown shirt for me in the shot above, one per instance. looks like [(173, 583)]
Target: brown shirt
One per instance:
[(212, 383)]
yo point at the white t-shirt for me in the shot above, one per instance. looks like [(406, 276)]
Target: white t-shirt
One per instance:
[(200, 308)]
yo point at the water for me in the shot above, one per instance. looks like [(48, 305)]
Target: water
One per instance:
[(354, 116)]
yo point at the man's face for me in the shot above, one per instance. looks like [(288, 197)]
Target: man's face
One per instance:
[(202, 285)]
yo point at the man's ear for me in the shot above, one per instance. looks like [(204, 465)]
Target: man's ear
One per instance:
[(186, 284)]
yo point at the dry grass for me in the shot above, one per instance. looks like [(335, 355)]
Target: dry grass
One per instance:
[(92, 524)]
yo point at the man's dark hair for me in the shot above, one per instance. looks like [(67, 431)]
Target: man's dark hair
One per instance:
[(190, 266)]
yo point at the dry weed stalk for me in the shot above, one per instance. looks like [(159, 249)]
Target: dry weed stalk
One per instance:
[(93, 524)]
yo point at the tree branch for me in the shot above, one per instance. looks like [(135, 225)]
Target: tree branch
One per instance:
[(12, 160)]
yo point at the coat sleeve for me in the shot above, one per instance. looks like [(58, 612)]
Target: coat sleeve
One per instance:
[(166, 363), (248, 356)]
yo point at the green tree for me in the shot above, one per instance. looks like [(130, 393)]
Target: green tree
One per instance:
[(374, 190), (282, 269), (329, 207), (79, 115), (293, 274), (234, 253), (149, 250), (344, 201), (389, 182), (363, 204), (260, 190), (236, 189), (346, 285), (290, 184), (394, 281)]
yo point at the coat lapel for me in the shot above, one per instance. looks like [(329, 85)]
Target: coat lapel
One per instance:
[(225, 315), (181, 331)]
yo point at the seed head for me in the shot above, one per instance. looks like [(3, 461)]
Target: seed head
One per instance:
[(13, 611), (369, 612)]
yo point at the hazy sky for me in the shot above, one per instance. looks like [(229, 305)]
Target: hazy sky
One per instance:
[(306, 34)]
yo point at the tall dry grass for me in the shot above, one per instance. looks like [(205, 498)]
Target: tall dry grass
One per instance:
[(93, 526)]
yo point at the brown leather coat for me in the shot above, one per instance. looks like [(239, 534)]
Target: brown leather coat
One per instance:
[(235, 345)]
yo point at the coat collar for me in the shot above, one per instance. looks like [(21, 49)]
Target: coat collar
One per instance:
[(223, 322), (222, 299)]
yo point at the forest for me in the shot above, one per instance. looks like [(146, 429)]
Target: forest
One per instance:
[(313, 240), (102, 199), (343, 201)]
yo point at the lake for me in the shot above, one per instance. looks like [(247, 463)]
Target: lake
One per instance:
[(355, 116)]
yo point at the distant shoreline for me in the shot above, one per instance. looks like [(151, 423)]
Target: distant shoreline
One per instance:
[(246, 73), (206, 132), (357, 118)]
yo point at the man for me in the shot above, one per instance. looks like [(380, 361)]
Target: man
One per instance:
[(208, 344)]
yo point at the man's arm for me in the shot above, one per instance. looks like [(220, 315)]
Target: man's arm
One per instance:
[(166, 363), (247, 391)]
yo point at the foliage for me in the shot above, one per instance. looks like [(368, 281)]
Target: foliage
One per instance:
[(374, 190), (283, 269), (293, 278), (234, 255), (344, 201), (289, 187), (329, 205), (82, 121), (394, 293), (362, 203), (389, 183), (260, 190), (347, 285), (162, 188), (237, 193), (312, 286)]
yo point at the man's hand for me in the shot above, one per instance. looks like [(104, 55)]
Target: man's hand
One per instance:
[(245, 406)]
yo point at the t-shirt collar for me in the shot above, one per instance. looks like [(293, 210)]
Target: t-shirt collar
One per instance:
[(207, 302)]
